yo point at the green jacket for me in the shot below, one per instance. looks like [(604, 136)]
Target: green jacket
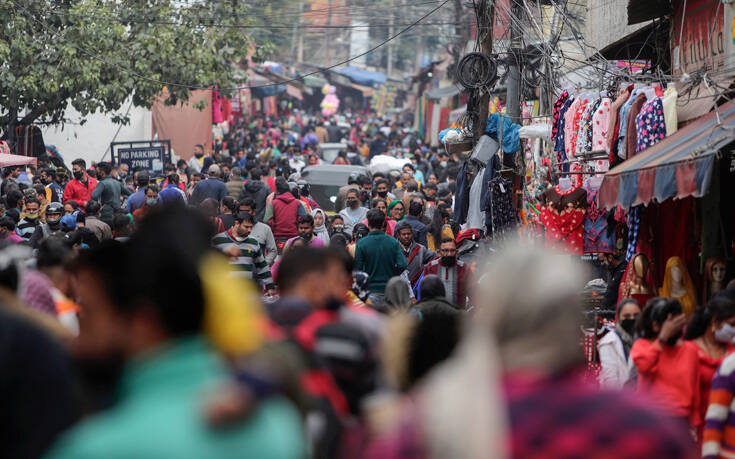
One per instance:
[(381, 257), (108, 193), (159, 414)]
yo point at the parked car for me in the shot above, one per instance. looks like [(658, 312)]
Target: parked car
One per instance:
[(325, 181)]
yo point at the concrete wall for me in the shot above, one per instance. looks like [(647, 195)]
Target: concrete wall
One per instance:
[(607, 22), (91, 141)]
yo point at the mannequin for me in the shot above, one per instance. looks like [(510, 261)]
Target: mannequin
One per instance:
[(714, 273), (678, 285), (638, 286)]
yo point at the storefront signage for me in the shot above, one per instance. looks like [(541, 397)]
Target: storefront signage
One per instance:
[(699, 42), (147, 155), (729, 38)]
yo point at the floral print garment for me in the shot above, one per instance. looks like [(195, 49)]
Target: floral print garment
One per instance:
[(650, 125)]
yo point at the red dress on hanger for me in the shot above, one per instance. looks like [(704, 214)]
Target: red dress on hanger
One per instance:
[(563, 216)]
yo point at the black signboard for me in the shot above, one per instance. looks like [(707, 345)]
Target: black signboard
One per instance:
[(149, 155)]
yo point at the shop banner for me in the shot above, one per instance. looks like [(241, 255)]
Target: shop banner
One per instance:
[(697, 39)]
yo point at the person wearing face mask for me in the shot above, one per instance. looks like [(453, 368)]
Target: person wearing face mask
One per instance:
[(196, 162), (456, 275), (54, 212), (710, 332), (614, 347), (354, 213), (150, 203), (27, 226), (48, 180), (80, 189), (668, 371), (108, 192)]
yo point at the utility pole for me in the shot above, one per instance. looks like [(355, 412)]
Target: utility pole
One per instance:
[(296, 43), (486, 13), (391, 22), (513, 95), (419, 48), (327, 34)]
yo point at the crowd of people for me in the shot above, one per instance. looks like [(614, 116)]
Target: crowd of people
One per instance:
[(217, 310)]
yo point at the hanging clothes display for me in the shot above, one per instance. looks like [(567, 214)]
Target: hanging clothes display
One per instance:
[(670, 116), (634, 223), (650, 125), (597, 238), (500, 207), (559, 143), (557, 111), (563, 217), (475, 213), (631, 135)]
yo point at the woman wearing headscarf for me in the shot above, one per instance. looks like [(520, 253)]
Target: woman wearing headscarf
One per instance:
[(397, 295), (397, 210), (320, 228)]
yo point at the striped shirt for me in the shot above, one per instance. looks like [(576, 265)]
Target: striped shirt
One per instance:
[(719, 432), (251, 262)]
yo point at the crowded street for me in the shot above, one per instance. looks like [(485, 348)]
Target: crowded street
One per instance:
[(367, 229)]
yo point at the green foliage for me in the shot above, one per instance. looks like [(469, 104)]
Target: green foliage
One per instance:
[(95, 54)]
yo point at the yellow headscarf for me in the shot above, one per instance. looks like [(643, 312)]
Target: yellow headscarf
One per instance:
[(689, 300)]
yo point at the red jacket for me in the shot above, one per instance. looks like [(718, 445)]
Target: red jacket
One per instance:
[(79, 192), (465, 280), (285, 221)]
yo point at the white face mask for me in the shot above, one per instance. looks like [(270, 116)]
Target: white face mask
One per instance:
[(725, 334)]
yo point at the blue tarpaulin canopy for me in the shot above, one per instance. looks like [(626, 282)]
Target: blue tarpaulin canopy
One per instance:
[(363, 77)]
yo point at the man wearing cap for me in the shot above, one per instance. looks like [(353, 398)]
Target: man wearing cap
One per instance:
[(212, 187)]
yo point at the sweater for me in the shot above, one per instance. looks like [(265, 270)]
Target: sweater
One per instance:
[(719, 432), (263, 234), (670, 374), (251, 263), (108, 193), (158, 414), (210, 188), (381, 257)]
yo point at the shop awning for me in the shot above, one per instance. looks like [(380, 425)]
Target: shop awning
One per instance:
[(314, 81), (8, 160), (442, 93), (678, 166), (366, 91), (363, 77)]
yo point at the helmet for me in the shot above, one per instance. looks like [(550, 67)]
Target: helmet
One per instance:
[(55, 208), (304, 187)]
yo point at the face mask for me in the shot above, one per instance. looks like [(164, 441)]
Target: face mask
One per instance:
[(53, 223), (351, 202), (443, 164), (78, 175), (338, 228), (449, 261), (32, 216), (199, 155), (151, 201), (725, 334), (383, 194), (627, 325)]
